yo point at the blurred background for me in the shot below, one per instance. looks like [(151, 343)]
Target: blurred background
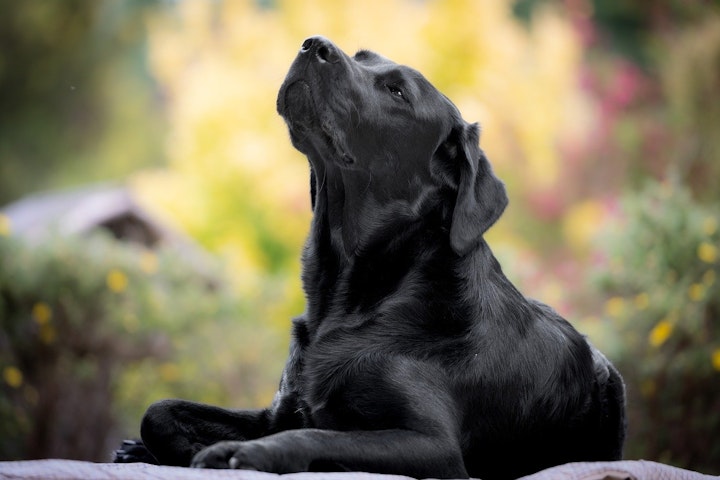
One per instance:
[(153, 209)]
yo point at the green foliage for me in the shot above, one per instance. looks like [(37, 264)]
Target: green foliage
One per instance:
[(664, 273), (77, 102), (627, 28), (94, 330)]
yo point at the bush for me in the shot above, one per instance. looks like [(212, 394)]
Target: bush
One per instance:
[(663, 274), (93, 330)]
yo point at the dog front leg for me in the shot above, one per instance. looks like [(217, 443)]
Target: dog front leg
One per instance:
[(401, 452), (175, 430)]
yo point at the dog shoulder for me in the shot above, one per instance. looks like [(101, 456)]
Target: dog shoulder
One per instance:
[(550, 320), (562, 345)]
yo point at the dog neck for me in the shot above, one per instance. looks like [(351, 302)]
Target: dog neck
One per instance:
[(360, 251), (356, 210)]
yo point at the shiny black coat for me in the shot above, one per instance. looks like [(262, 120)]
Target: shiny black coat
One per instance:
[(416, 355)]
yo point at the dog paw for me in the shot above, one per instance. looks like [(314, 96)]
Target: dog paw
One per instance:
[(252, 455), (218, 455), (133, 451)]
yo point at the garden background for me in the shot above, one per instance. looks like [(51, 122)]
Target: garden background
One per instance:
[(602, 117)]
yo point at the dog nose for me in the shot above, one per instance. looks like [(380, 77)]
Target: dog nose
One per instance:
[(322, 48)]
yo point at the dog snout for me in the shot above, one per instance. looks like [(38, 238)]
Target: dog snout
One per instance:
[(321, 48)]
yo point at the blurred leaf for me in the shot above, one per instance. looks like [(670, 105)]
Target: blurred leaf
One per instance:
[(669, 323)]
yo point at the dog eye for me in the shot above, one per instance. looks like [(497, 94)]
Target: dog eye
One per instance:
[(396, 91)]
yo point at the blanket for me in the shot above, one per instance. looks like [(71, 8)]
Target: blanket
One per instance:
[(76, 470)]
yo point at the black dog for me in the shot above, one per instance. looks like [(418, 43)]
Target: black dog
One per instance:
[(416, 356)]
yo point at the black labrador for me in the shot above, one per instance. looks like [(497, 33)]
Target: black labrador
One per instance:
[(416, 355)]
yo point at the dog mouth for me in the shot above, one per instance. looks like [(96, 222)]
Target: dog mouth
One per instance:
[(297, 105)]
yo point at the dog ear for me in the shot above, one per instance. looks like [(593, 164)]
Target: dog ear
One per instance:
[(481, 196)]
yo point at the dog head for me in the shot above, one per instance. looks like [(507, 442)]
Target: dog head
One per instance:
[(386, 144)]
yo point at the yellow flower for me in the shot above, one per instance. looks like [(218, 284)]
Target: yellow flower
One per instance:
[(660, 333), (41, 313), (615, 307), (710, 226), (696, 291), (642, 301), (716, 359), (4, 225), (707, 252), (13, 376), (116, 280), (148, 262)]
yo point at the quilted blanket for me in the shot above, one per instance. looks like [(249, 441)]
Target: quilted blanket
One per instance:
[(75, 470)]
